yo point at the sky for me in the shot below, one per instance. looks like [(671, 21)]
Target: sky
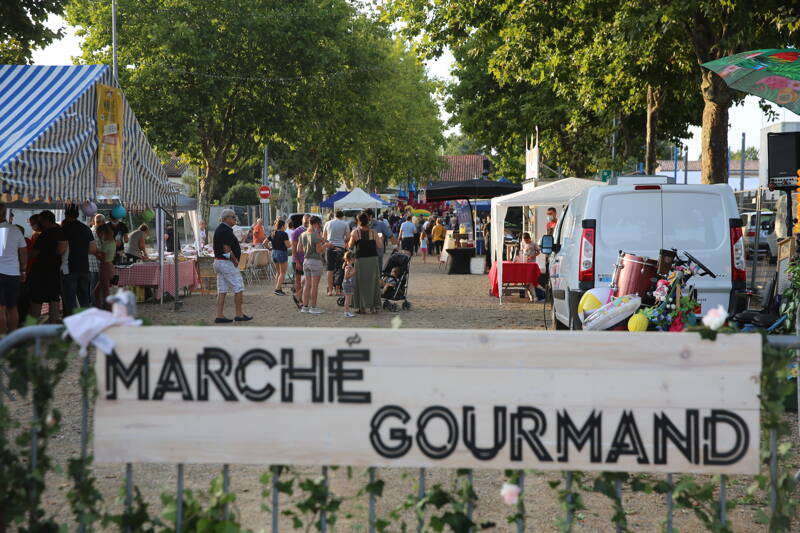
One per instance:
[(746, 118)]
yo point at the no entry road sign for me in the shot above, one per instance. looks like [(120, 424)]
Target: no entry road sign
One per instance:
[(264, 192)]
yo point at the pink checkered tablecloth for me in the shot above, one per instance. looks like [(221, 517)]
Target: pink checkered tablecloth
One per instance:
[(146, 275)]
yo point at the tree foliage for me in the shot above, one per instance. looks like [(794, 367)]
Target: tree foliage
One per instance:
[(23, 29), (316, 80), (625, 68)]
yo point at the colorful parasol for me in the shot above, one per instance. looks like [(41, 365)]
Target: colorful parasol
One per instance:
[(421, 212), (772, 74)]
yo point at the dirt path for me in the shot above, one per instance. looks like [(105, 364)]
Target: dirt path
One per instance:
[(439, 301)]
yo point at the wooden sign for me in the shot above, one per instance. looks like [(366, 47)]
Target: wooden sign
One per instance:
[(657, 402)]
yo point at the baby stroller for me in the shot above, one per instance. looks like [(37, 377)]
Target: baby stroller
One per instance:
[(398, 292), (338, 272)]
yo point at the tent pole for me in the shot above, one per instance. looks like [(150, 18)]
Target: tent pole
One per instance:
[(161, 221), (177, 248)]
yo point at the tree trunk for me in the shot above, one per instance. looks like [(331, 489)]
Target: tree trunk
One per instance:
[(714, 139), (204, 194), (654, 99), (301, 195)]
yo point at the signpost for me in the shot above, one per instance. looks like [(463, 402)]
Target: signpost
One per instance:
[(602, 401)]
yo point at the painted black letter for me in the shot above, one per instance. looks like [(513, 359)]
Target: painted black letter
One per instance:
[(172, 365), (337, 374), (267, 390), (627, 441), (138, 370), (485, 454), (315, 374), (688, 443), (432, 451), (217, 376), (711, 455), (531, 436), (590, 432), (398, 435)]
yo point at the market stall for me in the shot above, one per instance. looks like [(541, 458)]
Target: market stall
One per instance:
[(358, 199), (69, 135), (329, 202), (554, 193)]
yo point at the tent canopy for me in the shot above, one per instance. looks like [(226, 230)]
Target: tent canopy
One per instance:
[(468, 190), (338, 195), (557, 192), (550, 194), (358, 199), (49, 139)]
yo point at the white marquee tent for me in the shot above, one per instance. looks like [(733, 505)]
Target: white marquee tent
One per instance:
[(554, 193), (358, 199)]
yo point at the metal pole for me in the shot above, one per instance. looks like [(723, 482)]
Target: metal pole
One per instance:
[(669, 503), (617, 482), (114, 38), (675, 163), (226, 480), (371, 504), (179, 501), (265, 181), (128, 488), (276, 472), (176, 247), (686, 165), (741, 176), (723, 497), (521, 503), (568, 487), (613, 144), (420, 495), (470, 505), (323, 516), (754, 253)]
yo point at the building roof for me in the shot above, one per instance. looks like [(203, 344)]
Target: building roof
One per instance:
[(668, 165), (462, 167)]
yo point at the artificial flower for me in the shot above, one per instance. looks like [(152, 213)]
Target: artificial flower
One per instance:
[(510, 493), (715, 318)]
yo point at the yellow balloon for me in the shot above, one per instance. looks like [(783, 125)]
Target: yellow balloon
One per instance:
[(638, 322)]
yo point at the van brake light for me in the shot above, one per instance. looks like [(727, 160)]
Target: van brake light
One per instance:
[(738, 267), (586, 268)]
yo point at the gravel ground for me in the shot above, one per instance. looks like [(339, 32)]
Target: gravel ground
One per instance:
[(438, 301)]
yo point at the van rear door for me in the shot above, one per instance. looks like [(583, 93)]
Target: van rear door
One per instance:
[(696, 220), (629, 219)]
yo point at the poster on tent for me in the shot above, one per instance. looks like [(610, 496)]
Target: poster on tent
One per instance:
[(464, 214), (109, 151)]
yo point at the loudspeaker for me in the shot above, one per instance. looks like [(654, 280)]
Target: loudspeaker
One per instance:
[(783, 154)]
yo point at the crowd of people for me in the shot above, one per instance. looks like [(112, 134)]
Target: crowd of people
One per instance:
[(65, 266)]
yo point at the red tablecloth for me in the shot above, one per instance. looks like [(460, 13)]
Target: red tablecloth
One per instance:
[(146, 275), (516, 273)]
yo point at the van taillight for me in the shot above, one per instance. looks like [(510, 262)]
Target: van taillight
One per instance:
[(586, 265), (738, 268)]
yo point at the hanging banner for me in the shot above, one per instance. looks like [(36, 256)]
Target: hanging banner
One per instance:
[(464, 214), (109, 131), (601, 401)]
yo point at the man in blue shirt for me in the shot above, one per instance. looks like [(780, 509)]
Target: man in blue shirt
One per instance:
[(407, 231)]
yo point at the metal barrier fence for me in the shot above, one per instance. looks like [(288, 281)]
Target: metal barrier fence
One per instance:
[(36, 334)]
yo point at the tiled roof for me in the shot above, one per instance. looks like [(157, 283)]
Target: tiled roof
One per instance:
[(668, 165), (174, 168), (462, 167)]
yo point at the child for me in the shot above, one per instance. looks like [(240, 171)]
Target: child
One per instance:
[(423, 245), (348, 284), (391, 283)]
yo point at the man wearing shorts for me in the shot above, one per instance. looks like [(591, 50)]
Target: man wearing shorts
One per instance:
[(45, 281), (337, 232), (226, 264), (13, 259), (297, 258)]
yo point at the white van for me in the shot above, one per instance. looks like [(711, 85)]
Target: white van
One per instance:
[(642, 215)]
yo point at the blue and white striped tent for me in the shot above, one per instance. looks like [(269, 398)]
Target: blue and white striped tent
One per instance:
[(48, 139)]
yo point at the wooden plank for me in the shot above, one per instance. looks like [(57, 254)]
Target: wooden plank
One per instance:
[(521, 392)]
